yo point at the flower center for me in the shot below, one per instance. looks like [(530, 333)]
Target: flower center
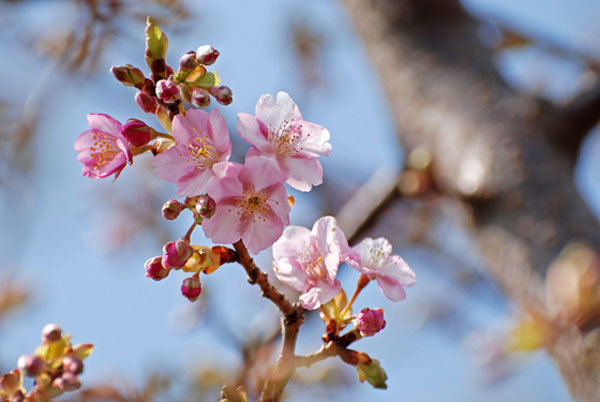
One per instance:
[(312, 261), (254, 204), (103, 150), (377, 255), (286, 138), (201, 152)]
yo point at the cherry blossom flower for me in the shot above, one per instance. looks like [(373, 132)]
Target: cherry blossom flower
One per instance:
[(251, 204), (373, 257), (202, 140), (103, 149), (278, 132), (308, 260)]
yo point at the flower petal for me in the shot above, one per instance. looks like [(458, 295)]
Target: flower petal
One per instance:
[(303, 173), (391, 288), (273, 111), (397, 268), (320, 294), (219, 133), (103, 122), (194, 183), (252, 131), (193, 124), (170, 165), (223, 227)]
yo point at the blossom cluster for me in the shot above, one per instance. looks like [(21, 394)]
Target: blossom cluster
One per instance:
[(55, 365), (242, 203)]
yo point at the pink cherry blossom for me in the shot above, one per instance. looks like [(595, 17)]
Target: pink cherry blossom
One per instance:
[(202, 141), (103, 149), (278, 132), (251, 204), (373, 257), (308, 260)]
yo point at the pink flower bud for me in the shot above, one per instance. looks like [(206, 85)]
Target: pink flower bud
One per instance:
[(188, 61), (369, 322), (137, 132), (167, 91), (146, 102), (191, 287), (222, 94), (30, 365), (206, 206), (207, 55), (51, 333), (72, 365), (67, 382), (200, 97), (171, 209), (176, 253), (155, 270), (128, 75)]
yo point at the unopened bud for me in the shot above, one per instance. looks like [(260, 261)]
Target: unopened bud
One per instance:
[(30, 365), (171, 209), (206, 206), (51, 333), (176, 253), (207, 55), (200, 97), (67, 382), (72, 365), (155, 270), (146, 102), (373, 373), (222, 94), (191, 287), (185, 91), (128, 75), (188, 61), (369, 322), (10, 382), (137, 132), (167, 91)]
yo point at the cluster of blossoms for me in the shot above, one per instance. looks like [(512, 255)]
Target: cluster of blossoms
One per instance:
[(55, 365), (245, 204)]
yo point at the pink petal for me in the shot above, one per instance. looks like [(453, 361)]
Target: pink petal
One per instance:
[(172, 164), (373, 253), (219, 133), (225, 183), (278, 202), (320, 294), (391, 288), (314, 141), (223, 227), (303, 173), (290, 273), (260, 231), (193, 124), (293, 239), (273, 111), (103, 122), (260, 172), (399, 270), (252, 131), (194, 183)]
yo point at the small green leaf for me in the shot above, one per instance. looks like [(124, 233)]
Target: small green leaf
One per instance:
[(207, 80), (156, 42), (373, 373)]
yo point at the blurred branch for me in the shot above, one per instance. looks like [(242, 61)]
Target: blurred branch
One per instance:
[(490, 147)]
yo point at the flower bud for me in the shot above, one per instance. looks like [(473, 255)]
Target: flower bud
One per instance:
[(72, 365), (30, 365), (155, 270), (51, 333), (10, 383), (185, 91), (128, 75), (18, 396), (137, 132), (176, 253), (67, 382), (207, 55), (200, 97), (206, 206), (146, 102), (171, 209), (191, 288), (373, 373), (188, 61), (167, 91), (369, 322), (222, 94)]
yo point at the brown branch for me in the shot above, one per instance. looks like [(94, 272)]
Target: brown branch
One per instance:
[(291, 320)]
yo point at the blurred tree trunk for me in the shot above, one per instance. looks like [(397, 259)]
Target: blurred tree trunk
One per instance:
[(509, 156)]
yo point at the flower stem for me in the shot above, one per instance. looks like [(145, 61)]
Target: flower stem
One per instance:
[(363, 280), (188, 234), (164, 135)]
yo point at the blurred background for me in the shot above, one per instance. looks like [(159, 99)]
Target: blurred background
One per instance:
[(431, 142)]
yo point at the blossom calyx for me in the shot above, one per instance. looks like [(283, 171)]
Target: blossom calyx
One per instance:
[(176, 253), (191, 287), (207, 55), (369, 321), (155, 269), (128, 75)]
